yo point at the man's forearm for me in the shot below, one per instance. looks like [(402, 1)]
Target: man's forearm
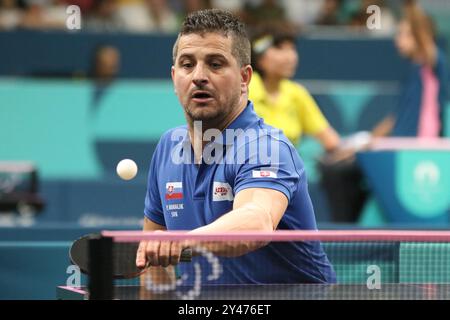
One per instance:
[(251, 217)]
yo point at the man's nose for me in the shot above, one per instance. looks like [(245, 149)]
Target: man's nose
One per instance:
[(200, 77)]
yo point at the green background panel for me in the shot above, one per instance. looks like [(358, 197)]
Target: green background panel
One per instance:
[(356, 273), (425, 263), (352, 259), (46, 122), (56, 123), (137, 110)]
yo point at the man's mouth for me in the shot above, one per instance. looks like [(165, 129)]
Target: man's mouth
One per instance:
[(201, 96)]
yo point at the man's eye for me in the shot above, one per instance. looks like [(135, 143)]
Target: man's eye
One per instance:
[(216, 65), (186, 65)]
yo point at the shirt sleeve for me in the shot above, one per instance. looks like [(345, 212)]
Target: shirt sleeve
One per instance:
[(311, 118), (153, 207), (282, 174)]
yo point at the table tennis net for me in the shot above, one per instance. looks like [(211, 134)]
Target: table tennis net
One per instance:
[(367, 264)]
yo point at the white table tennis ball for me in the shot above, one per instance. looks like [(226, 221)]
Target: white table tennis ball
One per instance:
[(127, 169)]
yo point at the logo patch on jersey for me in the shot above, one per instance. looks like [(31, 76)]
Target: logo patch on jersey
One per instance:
[(222, 192), (264, 174), (174, 190)]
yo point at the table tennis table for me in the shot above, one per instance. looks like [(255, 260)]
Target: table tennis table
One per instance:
[(276, 292)]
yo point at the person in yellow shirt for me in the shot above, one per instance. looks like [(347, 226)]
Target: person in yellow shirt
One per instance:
[(281, 102)]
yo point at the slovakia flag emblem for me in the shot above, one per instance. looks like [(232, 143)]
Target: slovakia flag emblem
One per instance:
[(174, 190)]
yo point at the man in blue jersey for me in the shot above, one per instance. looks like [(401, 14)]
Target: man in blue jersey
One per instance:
[(226, 170)]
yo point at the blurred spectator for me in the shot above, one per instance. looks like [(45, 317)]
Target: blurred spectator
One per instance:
[(44, 14), (302, 12), (234, 6), (104, 70), (259, 13), (195, 5), (163, 18), (55, 14), (10, 14), (329, 13), (147, 16), (165, 15), (106, 64), (281, 102), (103, 17), (418, 114), (85, 5), (134, 14), (424, 93)]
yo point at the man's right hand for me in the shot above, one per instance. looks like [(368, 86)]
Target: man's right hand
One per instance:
[(158, 253)]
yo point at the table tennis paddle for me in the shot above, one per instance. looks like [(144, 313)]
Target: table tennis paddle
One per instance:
[(124, 257)]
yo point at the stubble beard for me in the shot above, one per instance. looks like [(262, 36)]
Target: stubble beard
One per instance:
[(214, 116)]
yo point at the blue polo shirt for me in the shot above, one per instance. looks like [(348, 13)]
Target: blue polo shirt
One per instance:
[(183, 195)]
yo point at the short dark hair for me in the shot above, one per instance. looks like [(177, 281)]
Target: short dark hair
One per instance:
[(269, 36), (218, 21)]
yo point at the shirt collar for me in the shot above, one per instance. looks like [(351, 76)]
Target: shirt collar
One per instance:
[(245, 118)]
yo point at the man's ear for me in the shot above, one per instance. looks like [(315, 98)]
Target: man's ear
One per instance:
[(172, 73), (246, 77)]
